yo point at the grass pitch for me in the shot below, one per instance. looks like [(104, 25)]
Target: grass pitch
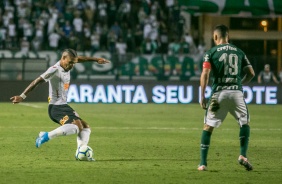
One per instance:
[(138, 144)]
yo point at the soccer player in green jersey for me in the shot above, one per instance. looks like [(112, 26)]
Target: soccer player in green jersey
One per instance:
[(227, 62)]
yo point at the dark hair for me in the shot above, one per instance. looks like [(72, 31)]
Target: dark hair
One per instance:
[(71, 52), (222, 29)]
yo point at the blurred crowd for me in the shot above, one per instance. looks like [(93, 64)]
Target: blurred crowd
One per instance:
[(117, 26)]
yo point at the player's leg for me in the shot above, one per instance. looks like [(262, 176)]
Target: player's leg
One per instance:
[(63, 115), (84, 135), (215, 114), (205, 144), (241, 114)]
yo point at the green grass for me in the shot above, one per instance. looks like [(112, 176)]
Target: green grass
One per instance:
[(138, 144)]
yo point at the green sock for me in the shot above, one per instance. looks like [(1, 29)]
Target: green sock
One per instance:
[(244, 139), (205, 144)]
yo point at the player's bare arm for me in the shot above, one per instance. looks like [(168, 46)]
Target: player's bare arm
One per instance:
[(275, 79), (250, 74), (81, 59), (31, 86), (204, 82)]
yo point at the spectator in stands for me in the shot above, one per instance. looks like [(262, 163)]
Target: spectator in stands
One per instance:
[(163, 39), (59, 5), (112, 39), (174, 47), (89, 15), (175, 12), (12, 33), (147, 30), (3, 33), (102, 11), (73, 40), (142, 16), (36, 44), (129, 39), (61, 20), (116, 29), (148, 47), (138, 36), (25, 46), (104, 37), (180, 26), (67, 29), (54, 39), (23, 9), (95, 42), (91, 4), (86, 37), (80, 6), (267, 76), (6, 17), (78, 25), (189, 39), (68, 14), (141, 19), (53, 19), (124, 11), (121, 47), (112, 13), (185, 48), (28, 31)]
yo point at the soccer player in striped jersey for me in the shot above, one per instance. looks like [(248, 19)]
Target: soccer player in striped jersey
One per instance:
[(59, 111), (227, 62)]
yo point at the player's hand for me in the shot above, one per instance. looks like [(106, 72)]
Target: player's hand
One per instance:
[(16, 99), (102, 61), (203, 103)]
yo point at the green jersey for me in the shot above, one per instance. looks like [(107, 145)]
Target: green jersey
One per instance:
[(227, 63)]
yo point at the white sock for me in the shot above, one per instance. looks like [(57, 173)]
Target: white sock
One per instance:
[(67, 129), (83, 137)]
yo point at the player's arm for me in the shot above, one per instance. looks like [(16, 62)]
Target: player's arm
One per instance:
[(259, 78), (249, 74), (81, 59), (275, 79), (31, 86), (204, 82)]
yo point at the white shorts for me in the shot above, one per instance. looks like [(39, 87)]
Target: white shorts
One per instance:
[(231, 101)]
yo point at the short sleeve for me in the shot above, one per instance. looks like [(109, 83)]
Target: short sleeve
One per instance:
[(246, 61), (49, 73), (206, 57)]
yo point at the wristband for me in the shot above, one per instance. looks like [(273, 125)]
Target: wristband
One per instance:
[(23, 95)]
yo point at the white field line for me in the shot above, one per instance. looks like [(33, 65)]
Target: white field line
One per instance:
[(30, 105), (147, 128)]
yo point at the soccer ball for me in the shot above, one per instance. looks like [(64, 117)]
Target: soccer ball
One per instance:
[(84, 153)]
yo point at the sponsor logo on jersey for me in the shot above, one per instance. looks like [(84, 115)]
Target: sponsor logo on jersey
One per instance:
[(64, 120), (66, 86), (206, 58), (226, 47)]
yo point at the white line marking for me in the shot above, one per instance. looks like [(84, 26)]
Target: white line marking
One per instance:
[(30, 105), (147, 128)]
